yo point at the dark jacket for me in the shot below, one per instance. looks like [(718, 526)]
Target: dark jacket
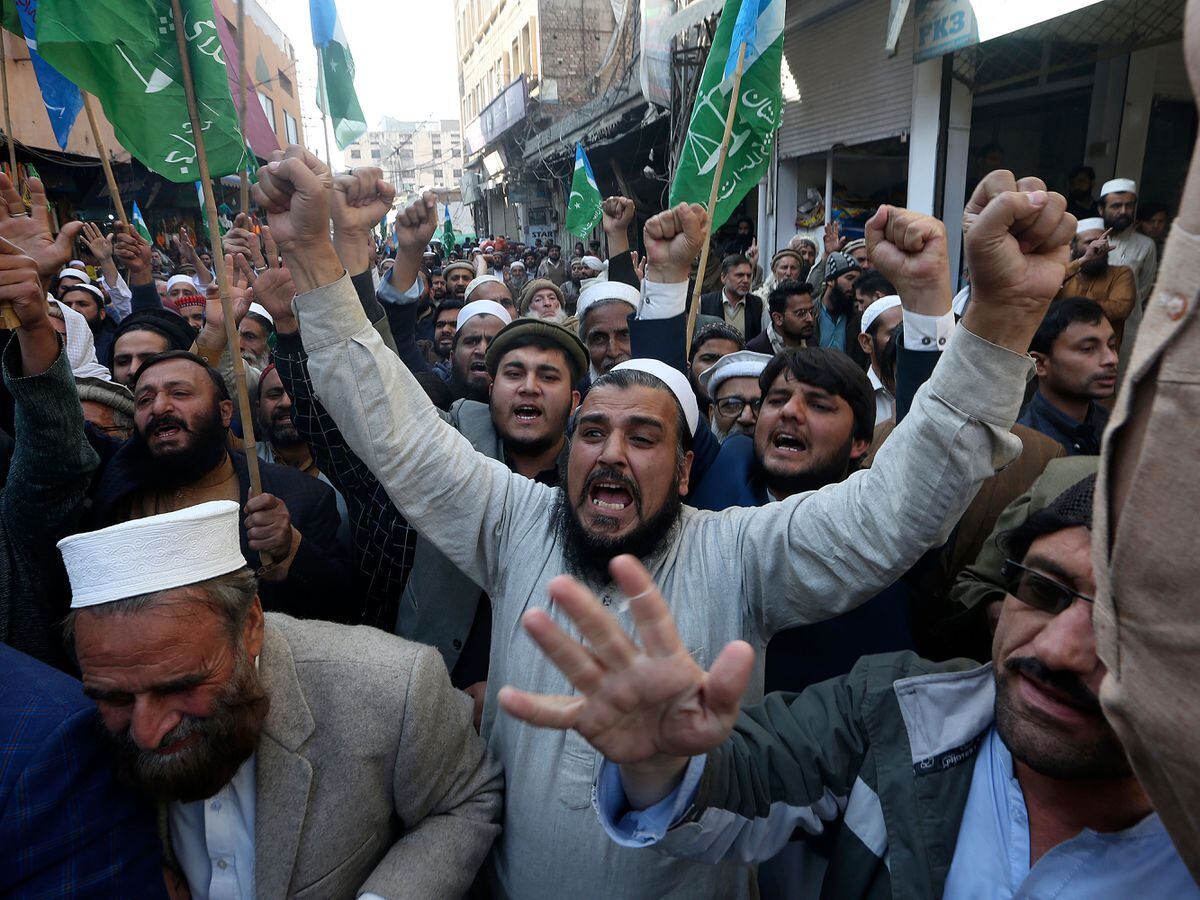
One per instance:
[(711, 304), (318, 584), (43, 501), (104, 334), (67, 827)]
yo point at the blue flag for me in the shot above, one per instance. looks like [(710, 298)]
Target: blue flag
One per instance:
[(746, 31), (61, 98)]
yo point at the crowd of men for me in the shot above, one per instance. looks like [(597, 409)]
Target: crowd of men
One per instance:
[(533, 529)]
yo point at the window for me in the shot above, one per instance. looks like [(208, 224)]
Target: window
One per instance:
[(374, 154), (291, 128), (268, 106), (356, 154), (286, 84), (457, 174)]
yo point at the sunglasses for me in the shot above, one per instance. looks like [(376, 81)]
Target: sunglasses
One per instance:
[(1037, 590)]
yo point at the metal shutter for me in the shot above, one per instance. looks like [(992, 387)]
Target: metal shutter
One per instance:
[(851, 92)]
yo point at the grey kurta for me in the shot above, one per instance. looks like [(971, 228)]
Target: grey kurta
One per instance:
[(740, 573)]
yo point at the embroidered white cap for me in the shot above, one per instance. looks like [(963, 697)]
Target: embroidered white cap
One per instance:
[(259, 310), (1118, 186), (147, 555), (479, 281), (482, 308), (72, 272), (1093, 224), (675, 381), (877, 309), (741, 364), (606, 290)]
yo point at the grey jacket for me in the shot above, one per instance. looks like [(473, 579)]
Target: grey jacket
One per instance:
[(369, 774), (439, 602), (740, 573)]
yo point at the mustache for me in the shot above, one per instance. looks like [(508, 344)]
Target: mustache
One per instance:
[(606, 474), (166, 419), (1070, 686)]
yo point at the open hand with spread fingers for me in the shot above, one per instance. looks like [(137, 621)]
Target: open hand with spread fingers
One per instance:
[(30, 230), (647, 707)]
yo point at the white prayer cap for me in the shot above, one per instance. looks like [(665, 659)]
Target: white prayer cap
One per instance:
[(259, 310), (479, 281), (742, 364), (143, 556), (71, 272), (877, 309), (176, 280), (517, 264), (1093, 224), (482, 308), (675, 381), (594, 263), (90, 288), (606, 290), (1118, 186)]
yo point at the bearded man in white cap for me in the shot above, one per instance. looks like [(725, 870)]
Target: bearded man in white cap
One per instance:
[(742, 573), (287, 754), (732, 383), (1118, 205), (180, 286), (1091, 275), (257, 333), (875, 329)]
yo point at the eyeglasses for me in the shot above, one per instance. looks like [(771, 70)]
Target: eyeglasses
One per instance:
[(1037, 590), (731, 407), (809, 313)]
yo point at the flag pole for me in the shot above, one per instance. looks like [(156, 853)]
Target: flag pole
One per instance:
[(8, 132), (712, 197), (218, 254), (324, 105), (242, 78), (113, 190)]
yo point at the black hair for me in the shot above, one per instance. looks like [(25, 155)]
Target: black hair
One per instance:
[(213, 375), (733, 260), (873, 281), (714, 330), (1061, 315), (1151, 209), (1082, 170), (832, 371), (778, 298), (629, 378), (452, 303)]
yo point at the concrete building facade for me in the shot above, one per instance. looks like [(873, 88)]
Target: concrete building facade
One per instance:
[(414, 156)]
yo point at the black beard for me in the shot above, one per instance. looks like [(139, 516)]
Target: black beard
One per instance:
[(1047, 754), (843, 302), (814, 479), (1094, 267), (587, 556), (225, 741), (1118, 223), (282, 434), (461, 388), (179, 467)]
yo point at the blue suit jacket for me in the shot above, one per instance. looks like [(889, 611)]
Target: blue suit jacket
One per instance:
[(67, 829)]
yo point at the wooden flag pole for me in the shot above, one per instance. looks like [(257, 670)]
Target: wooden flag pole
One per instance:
[(218, 255), (242, 79), (113, 190), (8, 131), (712, 197), (325, 106)]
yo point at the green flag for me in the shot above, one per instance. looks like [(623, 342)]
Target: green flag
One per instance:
[(124, 52), (10, 21), (583, 209), (758, 24), (336, 96)]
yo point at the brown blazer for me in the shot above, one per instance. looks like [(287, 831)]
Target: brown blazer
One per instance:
[(1115, 291), (370, 776)]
